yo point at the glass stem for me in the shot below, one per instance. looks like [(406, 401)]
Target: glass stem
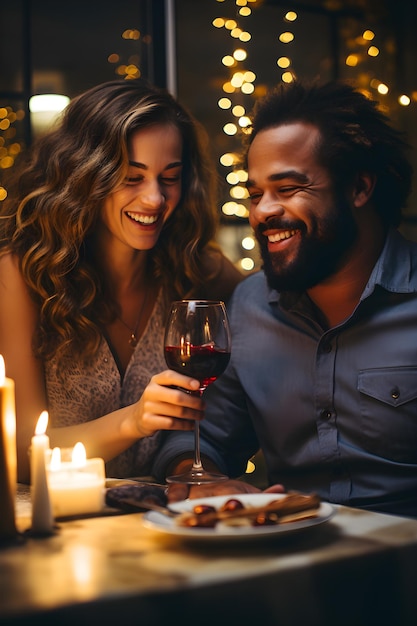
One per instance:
[(197, 465)]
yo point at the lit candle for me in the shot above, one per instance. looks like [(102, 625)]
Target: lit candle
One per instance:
[(42, 520), (76, 486), (8, 462)]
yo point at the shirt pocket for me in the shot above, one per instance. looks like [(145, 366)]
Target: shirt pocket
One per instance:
[(388, 405)]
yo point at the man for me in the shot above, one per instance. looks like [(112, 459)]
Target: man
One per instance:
[(323, 373)]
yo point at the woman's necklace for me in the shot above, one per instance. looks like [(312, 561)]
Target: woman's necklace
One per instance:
[(133, 341)]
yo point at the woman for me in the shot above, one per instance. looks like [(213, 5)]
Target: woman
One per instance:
[(111, 217)]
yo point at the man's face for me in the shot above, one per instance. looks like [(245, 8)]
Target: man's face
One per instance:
[(304, 228)]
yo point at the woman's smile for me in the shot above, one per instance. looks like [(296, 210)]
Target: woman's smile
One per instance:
[(144, 219)]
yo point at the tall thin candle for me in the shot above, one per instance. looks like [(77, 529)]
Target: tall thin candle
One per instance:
[(42, 520), (8, 463)]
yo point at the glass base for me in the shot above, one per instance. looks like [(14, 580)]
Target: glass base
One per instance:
[(197, 477)]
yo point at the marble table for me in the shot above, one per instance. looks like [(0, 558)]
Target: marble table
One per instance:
[(360, 568)]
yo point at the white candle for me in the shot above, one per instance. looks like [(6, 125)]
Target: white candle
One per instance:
[(76, 486), (42, 520), (8, 462)]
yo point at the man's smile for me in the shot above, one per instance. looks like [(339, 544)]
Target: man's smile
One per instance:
[(285, 234)]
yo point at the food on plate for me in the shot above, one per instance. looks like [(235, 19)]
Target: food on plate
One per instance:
[(289, 508)]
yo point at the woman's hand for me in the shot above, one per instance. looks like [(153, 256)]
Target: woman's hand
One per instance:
[(170, 402)]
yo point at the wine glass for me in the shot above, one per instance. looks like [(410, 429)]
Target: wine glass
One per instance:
[(197, 343)]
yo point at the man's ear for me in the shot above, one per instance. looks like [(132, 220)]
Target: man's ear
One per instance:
[(363, 188)]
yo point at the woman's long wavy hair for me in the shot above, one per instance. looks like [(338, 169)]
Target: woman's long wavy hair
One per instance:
[(55, 201)]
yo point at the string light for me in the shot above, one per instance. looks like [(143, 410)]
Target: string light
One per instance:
[(287, 77), (228, 159), (404, 100), (238, 110), (373, 51), (248, 243), (352, 60), (230, 129), (240, 84), (283, 62), (224, 103), (131, 69), (10, 148), (368, 35), (286, 37), (357, 58), (247, 264), (228, 60), (383, 89), (291, 16)]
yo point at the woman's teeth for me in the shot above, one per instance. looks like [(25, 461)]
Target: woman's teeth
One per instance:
[(286, 234), (143, 219)]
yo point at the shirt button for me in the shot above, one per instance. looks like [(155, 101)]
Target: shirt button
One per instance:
[(325, 414), (395, 393)]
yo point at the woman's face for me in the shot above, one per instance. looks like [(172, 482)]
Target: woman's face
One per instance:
[(136, 211)]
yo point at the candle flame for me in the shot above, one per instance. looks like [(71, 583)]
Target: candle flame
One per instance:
[(79, 455), (2, 371), (55, 463), (42, 423)]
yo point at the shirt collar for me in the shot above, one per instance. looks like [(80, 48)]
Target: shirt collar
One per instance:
[(393, 271)]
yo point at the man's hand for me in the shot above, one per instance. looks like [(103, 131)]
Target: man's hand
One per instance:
[(178, 491)]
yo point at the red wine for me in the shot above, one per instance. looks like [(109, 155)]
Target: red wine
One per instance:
[(205, 363)]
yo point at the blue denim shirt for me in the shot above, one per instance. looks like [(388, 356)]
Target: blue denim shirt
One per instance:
[(334, 411)]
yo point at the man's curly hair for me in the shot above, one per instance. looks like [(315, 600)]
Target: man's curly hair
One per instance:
[(355, 136)]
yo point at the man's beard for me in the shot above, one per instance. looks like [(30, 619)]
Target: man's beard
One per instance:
[(320, 254)]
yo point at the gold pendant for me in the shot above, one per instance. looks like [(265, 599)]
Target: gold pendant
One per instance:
[(133, 341)]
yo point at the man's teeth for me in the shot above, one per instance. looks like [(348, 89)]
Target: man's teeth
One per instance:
[(286, 234), (143, 219)]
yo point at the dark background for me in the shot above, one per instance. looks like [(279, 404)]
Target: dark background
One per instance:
[(66, 47)]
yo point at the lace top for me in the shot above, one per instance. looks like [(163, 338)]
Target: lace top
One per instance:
[(79, 394)]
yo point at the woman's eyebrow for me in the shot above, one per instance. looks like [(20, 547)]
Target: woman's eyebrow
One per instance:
[(142, 166)]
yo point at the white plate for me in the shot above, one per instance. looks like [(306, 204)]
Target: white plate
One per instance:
[(167, 525)]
